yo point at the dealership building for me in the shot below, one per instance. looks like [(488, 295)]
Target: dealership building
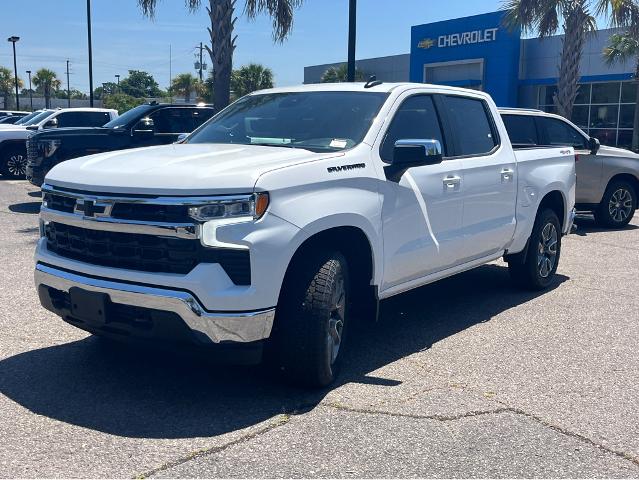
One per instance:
[(479, 52)]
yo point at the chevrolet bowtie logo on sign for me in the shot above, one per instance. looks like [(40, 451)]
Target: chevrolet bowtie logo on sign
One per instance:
[(426, 43)]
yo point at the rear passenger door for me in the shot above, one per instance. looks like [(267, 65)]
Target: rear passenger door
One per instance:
[(82, 119), (490, 177), (589, 167)]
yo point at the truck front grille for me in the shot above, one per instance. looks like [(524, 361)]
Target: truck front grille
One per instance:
[(145, 253), (32, 152)]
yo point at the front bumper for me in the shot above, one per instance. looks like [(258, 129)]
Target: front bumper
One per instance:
[(36, 174), (148, 304), (571, 222)]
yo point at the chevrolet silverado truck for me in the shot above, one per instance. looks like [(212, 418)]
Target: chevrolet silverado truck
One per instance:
[(607, 177), (145, 125), (13, 138), (291, 213)]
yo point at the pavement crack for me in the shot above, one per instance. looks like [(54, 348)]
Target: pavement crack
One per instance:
[(283, 420), (495, 411)]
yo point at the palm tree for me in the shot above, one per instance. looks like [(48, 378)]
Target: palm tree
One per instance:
[(221, 15), (622, 47), (340, 74), (46, 81), (184, 84), (576, 19), (7, 84), (249, 78)]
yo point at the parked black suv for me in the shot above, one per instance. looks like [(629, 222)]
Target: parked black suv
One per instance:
[(142, 126)]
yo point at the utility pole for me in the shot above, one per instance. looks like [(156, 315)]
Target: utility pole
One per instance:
[(170, 76), (68, 87), (352, 24), (13, 39), (30, 91), (201, 48), (90, 53), (117, 77)]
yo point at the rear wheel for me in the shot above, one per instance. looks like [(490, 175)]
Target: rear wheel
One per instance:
[(14, 163), (617, 206), (539, 266), (312, 320)]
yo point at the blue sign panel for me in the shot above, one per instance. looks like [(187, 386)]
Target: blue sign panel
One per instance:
[(474, 52)]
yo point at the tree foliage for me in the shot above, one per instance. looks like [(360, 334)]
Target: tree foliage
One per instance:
[(250, 78), (222, 22), (47, 83), (140, 84), (121, 102), (184, 85), (340, 74), (8, 85)]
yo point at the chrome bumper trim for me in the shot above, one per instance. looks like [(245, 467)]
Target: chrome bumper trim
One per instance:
[(108, 224), (217, 326)]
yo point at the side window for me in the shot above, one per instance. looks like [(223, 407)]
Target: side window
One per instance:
[(561, 134), (68, 119), (472, 126), (200, 115), (416, 118), (96, 119), (521, 130), (173, 120)]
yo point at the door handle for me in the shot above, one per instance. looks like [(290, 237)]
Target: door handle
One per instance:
[(452, 182), (507, 175)]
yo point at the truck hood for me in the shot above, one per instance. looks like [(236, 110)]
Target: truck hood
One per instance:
[(616, 152), (14, 134), (11, 126), (177, 169), (74, 132)]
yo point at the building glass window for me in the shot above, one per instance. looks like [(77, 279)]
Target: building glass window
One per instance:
[(604, 110)]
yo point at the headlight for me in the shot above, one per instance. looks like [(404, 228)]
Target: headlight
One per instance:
[(48, 147), (248, 206)]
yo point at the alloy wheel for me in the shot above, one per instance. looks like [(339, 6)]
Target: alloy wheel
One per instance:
[(620, 205), (17, 165), (547, 250), (336, 319)]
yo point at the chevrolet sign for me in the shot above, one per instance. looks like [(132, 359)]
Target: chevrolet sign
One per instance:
[(476, 36)]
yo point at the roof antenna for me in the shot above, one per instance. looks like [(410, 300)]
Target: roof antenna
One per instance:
[(372, 82)]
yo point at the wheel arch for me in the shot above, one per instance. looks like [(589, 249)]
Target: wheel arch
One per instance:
[(627, 177), (557, 203)]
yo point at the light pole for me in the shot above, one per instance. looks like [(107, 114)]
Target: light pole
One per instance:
[(117, 77), (13, 39), (352, 24), (90, 53), (30, 91)]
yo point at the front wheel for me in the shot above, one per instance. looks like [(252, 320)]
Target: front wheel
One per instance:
[(14, 163), (617, 206), (539, 266), (312, 320)]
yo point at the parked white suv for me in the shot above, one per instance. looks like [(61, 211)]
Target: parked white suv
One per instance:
[(13, 138), (291, 211)]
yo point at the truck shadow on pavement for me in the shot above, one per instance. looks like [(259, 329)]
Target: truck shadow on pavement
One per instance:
[(586, 225), (141, 393)]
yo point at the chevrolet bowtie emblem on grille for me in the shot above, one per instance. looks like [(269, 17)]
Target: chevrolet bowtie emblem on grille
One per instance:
[(92, 209)]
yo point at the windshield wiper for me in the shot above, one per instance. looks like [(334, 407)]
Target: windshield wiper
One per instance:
[(267, 144)]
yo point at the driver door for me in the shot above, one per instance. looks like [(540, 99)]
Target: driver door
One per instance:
[(422, 212)]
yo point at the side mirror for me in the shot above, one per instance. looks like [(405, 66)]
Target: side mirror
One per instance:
[(593, 145), (145, 128), (181, 137), (413, 153), (53, 123)]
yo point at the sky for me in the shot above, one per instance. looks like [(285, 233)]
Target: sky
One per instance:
[(53, 31)]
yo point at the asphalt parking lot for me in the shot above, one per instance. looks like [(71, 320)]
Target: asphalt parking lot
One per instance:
[(466, 377)]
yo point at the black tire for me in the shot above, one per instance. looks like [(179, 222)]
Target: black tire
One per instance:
[(13, 162), (537, 271), (617, 206), (310, 319)]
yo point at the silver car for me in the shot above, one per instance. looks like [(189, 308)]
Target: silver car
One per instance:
[(607, 177)]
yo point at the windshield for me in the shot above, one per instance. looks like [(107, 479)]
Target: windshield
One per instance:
[(39, 117), (127, 117), (25, 119), (316, 121)]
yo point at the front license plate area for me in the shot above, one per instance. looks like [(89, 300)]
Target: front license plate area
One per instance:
[(90, 307)]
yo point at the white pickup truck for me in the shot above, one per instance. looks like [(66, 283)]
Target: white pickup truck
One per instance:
[(292, 212)]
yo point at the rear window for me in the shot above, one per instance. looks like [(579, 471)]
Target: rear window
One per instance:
[(521, 130), (472, 126)]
